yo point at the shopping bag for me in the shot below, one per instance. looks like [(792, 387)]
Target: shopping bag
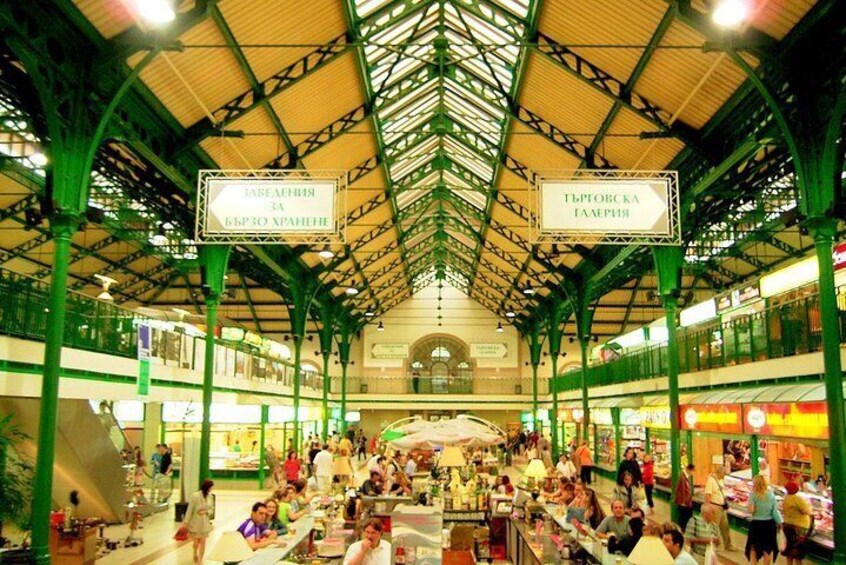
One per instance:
[(711, 555), (781, 540), (181, 534)]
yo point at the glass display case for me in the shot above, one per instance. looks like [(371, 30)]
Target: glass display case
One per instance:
[(659, 445), (737, 491), (633, 436)]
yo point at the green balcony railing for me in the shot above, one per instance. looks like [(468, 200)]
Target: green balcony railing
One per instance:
[(783, 330), (103, 327)]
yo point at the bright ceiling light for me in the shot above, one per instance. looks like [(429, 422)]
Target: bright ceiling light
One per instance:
[(730, 13), (160, 237), (156, 11), (499, 327), (510, 314), (326, 253), (351, 291), (369, 314), (380, 327), (38, 159), (528, 290)]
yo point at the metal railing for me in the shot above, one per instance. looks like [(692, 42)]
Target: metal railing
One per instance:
[(410, 384), (783, 330), (103, 327)]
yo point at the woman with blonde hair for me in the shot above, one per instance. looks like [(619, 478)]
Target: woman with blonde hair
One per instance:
[(765, 519)]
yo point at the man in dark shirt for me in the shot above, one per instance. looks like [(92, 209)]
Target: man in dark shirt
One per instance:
[(629, 465), (373, 485), (312, 453), (166, 465)]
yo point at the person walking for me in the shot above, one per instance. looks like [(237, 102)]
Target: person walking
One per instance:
[(648, 480), (292, 467), (198, 519), (629, 465), (765, 521), (684, 496), (714, 493), (585, 459), (797, 523), (702, 531)]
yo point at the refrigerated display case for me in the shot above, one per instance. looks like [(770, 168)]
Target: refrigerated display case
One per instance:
[(737, 491), (606, 448)]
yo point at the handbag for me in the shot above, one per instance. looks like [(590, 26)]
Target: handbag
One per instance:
[(711, 556), (181, 534), (781, 540)]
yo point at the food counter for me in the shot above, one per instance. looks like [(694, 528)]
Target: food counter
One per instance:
[(737, 493)]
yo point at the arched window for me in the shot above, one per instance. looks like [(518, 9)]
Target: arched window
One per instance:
[(440, 365)]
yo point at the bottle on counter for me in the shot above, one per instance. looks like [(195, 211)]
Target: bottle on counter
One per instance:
[(399, 557)]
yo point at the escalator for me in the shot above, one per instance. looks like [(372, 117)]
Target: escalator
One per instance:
[(88, 459)]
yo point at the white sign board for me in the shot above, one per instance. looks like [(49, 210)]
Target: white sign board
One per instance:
[(488, 350), (608, 207), (389, 351), (267, 206)]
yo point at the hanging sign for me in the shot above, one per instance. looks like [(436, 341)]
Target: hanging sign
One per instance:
[(389, 351), (144, 350), (655, 417), (269, 206), (800, 420), (610, 207), (488, 350), (726, 418)]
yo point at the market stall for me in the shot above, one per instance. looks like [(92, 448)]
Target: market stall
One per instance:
[(780, 432)]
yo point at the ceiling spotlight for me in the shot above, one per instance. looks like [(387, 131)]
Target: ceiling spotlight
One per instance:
[(499, 328), (156, 11), (38, 159), (510, 314), (528, 290), (351, 291), (160, 238), (368, 314), (106, 282), (326, 253), (380, 327), (730, 13)]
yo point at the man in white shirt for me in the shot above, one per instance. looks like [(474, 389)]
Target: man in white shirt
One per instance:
[(565, 467), (674, 542), (323, 468), (371, 550), (714, 494)]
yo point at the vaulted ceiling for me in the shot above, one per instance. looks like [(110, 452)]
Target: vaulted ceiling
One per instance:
[(442, 112)]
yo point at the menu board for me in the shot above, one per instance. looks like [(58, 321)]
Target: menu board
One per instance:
[(801, 420), (724, 418)]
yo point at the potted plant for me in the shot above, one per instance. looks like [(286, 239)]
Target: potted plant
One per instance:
[(16, 480)]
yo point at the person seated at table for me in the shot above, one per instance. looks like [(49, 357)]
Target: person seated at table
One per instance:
[(505, 487), (371, 549), (628, 493), (290, 509), (373, 486), (565, 467), (674, 542), (255, 530), (595, 513), (616, 525), (577, 510), (303, 496), (556, 495), (274, 523), (400, 486), (636, 525)]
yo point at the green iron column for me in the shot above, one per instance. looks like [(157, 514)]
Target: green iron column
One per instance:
[(583, 375), (214, 259), (554, 345), (533, 339), (344, 341), (326, 335), (668, 264), (62, 228), (265, 416), (583, 313), (301, 297), (298, 350), (824, 231)]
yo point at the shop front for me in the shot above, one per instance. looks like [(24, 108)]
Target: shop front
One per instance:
[(603, 434), (655, 420), (570, 425)]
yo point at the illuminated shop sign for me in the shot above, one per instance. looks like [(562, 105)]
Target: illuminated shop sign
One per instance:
[(601, 416), (655, 417), (570, 414), (839, 256), (801, 420), (630, 417), (726, 418), (741, 296)]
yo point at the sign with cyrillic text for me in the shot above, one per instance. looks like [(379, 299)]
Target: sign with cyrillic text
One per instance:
[(264, 207), (488, 350), (608, 207), (389, 351)]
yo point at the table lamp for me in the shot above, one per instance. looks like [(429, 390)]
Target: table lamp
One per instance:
[(535, 472), (231, 548), (650, 550), (452, 457)]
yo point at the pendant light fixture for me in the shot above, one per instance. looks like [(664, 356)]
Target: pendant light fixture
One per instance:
[(380, 327), (499, 327)]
